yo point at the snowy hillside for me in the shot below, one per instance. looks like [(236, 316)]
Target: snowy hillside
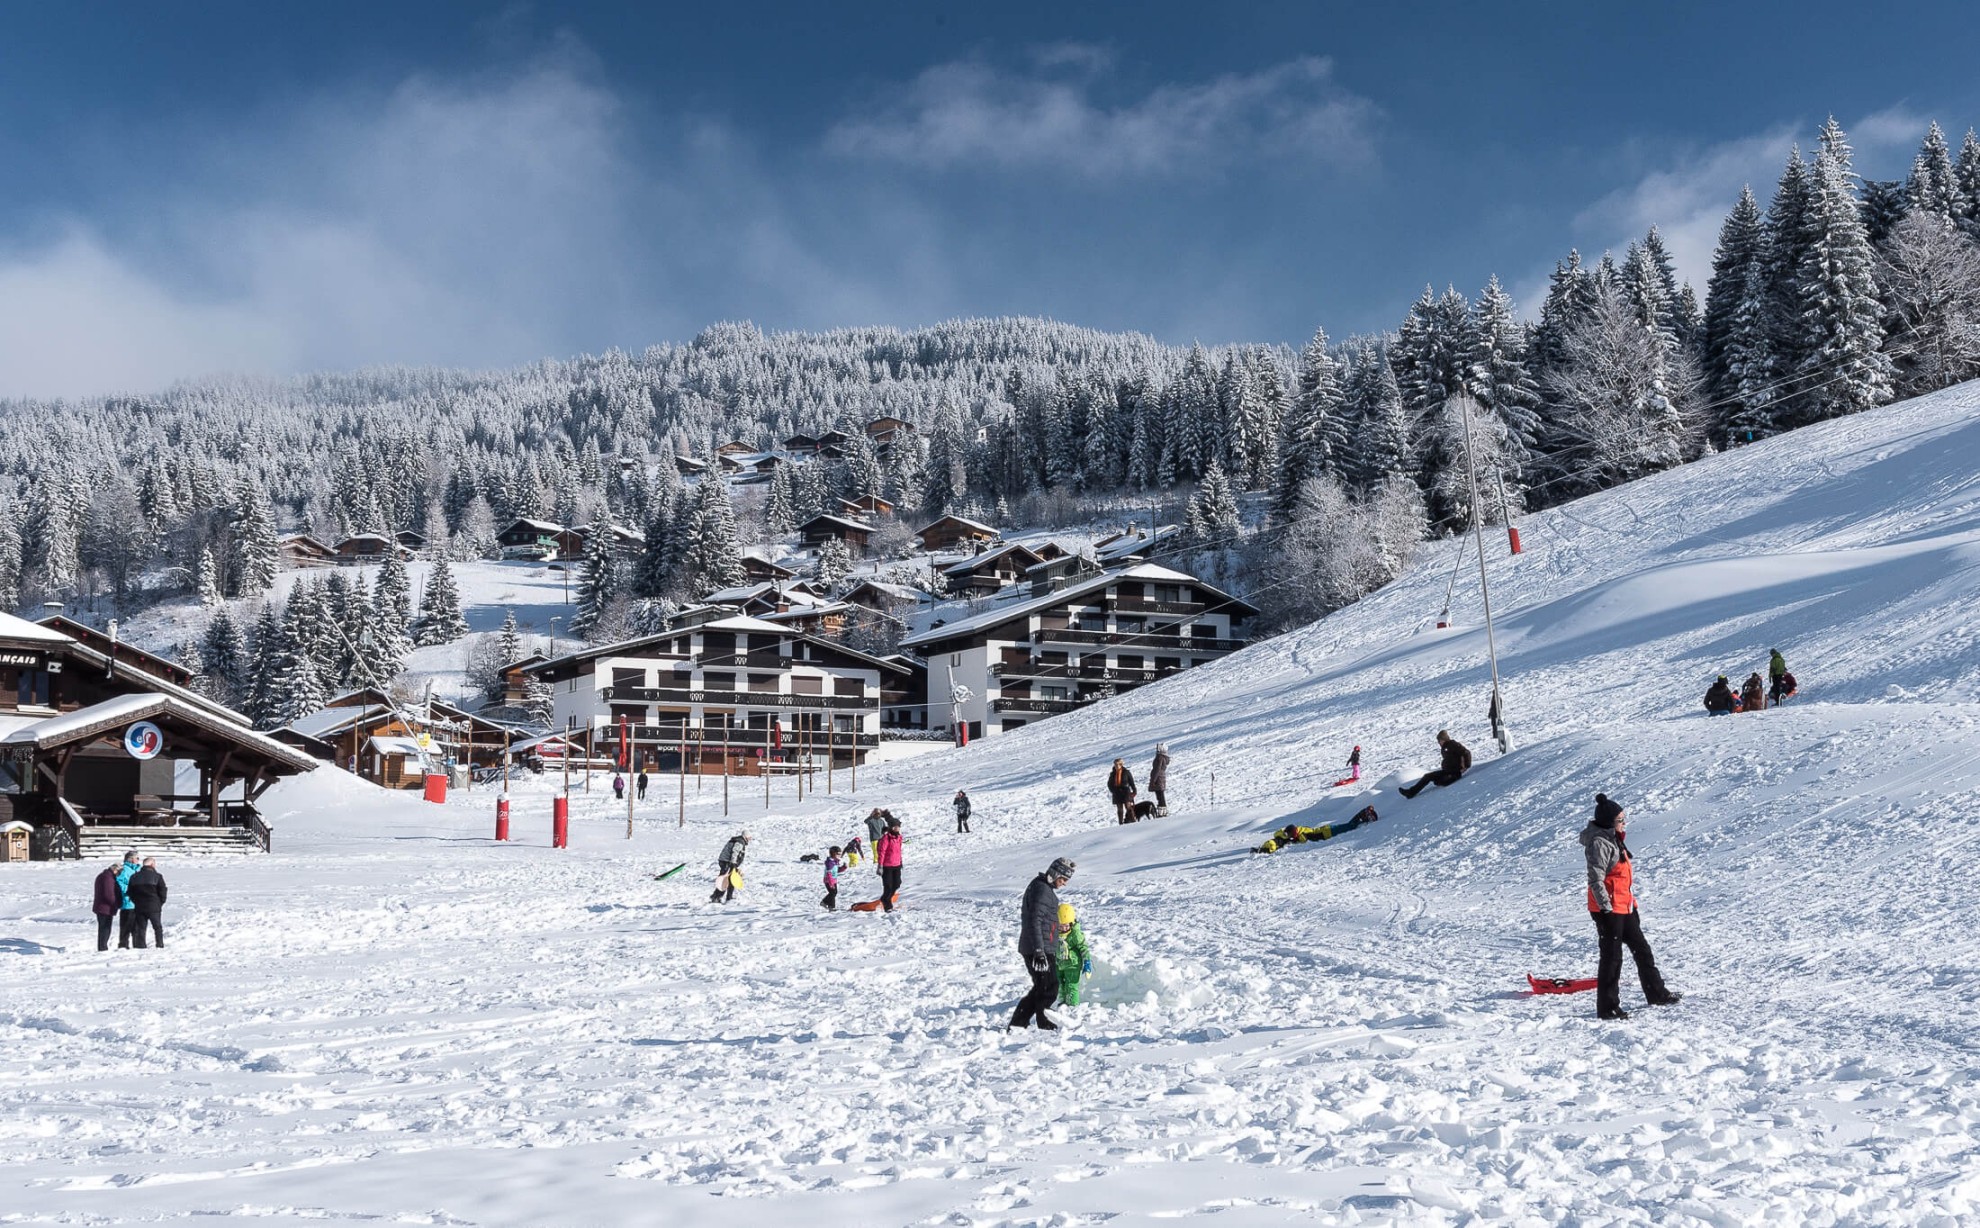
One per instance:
[(393, 1017)]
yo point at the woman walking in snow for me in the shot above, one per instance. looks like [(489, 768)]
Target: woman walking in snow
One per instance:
[(1120, 787), (1612, 904), (962, 812), (888, 853), (1158, 778), (1038, 934)]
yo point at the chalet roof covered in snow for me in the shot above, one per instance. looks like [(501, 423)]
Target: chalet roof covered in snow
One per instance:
[(1023, 609), (93, 721)]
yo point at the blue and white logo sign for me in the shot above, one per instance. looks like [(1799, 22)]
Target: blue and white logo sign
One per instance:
[(144, 740)]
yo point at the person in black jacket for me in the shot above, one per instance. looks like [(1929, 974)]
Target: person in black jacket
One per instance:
[(147, 892), (1121, 788), (1719, 698), (962, 812), (1038, 935), (1457, 761), (728, 860)]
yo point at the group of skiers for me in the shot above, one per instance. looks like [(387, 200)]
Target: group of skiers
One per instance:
[(1126, 795), (1720, 699), (134, 895)]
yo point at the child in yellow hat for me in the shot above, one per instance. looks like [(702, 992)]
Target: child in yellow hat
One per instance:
[(1075, 960)]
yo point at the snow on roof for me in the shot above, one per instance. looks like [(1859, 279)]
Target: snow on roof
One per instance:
[(1136, 542), (965, 521), (539, 740), (861, 525), (49, 731), (543, 526), (12, 628), (329, 720), (975, 561), (1004, 614), (898, 591), (728, 596), (392, 745)]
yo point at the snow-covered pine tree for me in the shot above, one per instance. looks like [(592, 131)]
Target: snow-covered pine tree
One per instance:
[(440, 620), (1784, 254), (1679, 315), (1503, 383), (264, 666), (779, 515), (1966, 177), (861, 466), (1932, 187), (1432, 362), (1312, 416), (392, 599), (51, 536), (508, 642), (206, 578), (253, 553), (1736, 266), (1883, 204), (1141, 403), (297, 686), (1626, 392), (1843, 359), (1372, 402), (711, 558), (835, 562), (223, 659), (601, 584), (474, 537), (10, 558), (1215, 508)]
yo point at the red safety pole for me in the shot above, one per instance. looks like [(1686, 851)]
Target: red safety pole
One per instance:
[(501, 818), (560, 823)]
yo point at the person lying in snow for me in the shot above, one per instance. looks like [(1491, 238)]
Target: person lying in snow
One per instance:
[(1293, 833), (1073, 957)]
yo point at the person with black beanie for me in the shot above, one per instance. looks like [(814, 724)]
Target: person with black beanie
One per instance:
[(1612, 904)]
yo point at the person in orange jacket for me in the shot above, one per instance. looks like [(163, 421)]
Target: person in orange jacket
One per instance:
[(1612, 904)]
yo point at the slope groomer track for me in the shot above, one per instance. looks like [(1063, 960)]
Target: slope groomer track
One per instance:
[(392, 1016)]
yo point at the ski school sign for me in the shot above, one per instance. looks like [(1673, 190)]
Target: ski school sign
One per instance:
[(143, 740)]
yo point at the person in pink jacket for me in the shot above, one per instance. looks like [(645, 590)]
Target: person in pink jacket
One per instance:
[(888, 854)]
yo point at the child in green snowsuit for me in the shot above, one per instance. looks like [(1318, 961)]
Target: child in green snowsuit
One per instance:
[(1075, 960)]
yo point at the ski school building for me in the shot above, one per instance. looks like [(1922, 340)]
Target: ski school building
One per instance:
[(1026, 659), (102, 746), (739, 695)]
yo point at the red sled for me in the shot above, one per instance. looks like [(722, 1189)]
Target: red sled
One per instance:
[(1560, 984), (874, 906)]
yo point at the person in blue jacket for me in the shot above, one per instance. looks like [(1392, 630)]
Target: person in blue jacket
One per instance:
[(126, 910)]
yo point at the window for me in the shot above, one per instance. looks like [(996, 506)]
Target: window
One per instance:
[(1129, 661), (1011, 724), (635, 713), (1168, 662), (849, 686), (719, 682), (807, 684), (1131, 626), (763, 682), (624, 678), (1052, 692), (34, 688), (717, 643)]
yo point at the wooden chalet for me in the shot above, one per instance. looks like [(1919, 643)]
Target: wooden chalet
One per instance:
[(735, 447), (951, 532), (827, 618), (367, 548), (886, 429), (893, 600), (515, 679), (469, 737), (409, 539), (689, 467), (302, 550), (873, 505), (573, 542), (1057, 572), (123, 651), (527, 538), (757, 567), (92, 749), (373, 737), (802, 444), (993, 569), (827, 527)]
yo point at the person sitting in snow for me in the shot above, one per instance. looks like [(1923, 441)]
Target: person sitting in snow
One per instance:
[(1073, 957), (1719, 698), (1753, 696), (1457, 761)]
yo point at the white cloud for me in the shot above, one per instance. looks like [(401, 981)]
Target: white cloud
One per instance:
[(970, 114), (1688, 196), (464, 222)]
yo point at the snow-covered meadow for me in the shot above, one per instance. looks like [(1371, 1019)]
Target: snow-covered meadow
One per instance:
[(393, 1018)]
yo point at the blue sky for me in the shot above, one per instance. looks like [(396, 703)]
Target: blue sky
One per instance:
[(230, 186)]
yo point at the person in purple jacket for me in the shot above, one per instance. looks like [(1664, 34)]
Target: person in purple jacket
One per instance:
[(108, 903)]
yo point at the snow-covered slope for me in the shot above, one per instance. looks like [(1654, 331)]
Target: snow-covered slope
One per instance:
[(391, 1017)]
